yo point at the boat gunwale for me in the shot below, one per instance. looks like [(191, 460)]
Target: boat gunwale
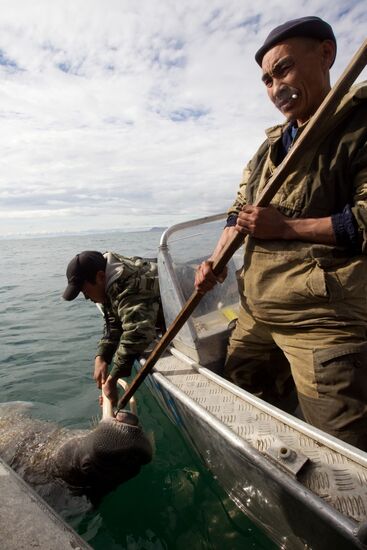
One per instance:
[(346, 526), (333, 443), (184, 225)]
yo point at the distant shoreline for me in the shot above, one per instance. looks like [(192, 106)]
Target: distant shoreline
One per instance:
[(19, 236)]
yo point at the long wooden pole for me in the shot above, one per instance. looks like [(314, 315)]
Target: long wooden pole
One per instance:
[(288, 165)]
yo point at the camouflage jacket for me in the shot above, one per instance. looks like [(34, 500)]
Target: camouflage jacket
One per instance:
[(130, 310), (305, 283)]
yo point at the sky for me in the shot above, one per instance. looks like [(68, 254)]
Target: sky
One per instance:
[(119, 114)]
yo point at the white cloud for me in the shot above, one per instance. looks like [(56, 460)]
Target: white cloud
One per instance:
[(136, 113)]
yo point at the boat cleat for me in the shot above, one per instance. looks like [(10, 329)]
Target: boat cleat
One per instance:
[(287, 458)]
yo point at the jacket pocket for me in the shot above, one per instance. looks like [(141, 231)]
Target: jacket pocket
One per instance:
[(278, 279)]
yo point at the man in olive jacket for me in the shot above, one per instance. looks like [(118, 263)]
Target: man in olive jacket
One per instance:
[(303, 313), (128, 291)]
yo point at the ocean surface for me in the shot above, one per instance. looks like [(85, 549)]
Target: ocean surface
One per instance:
[(46, 357)]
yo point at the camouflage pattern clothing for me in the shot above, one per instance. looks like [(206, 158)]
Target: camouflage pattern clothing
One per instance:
[(304, 305), (130, 311)]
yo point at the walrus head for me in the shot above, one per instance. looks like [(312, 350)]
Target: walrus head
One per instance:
[(108, 455)]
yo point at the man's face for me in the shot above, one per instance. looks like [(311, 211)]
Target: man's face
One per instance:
[(295, 73), (95, 291)]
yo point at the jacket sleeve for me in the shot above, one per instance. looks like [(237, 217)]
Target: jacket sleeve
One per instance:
[(248, 183), (111, 337), (137, 316), (359, 208), (240, 200)]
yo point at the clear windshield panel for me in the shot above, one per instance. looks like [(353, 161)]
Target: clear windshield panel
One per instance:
[(188, 247)]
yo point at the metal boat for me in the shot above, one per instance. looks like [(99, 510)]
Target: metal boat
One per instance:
[(303, 487)]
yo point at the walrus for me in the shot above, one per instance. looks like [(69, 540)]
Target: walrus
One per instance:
[(87, 463)]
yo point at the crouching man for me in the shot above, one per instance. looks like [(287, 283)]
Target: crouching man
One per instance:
[(128, 291)]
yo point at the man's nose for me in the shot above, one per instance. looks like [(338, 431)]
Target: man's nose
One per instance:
[(276, 86)]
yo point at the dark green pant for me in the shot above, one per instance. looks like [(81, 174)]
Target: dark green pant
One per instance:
[(328, 365)]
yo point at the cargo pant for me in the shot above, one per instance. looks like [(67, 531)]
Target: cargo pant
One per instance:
[(328, 365)]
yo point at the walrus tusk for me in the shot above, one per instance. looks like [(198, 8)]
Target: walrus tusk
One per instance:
[(132, 401), (107, 409)]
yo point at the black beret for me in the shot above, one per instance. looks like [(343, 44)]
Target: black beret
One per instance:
[(309, 27)]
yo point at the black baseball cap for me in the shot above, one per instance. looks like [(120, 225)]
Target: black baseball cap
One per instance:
[(83, 267), (308, 27)]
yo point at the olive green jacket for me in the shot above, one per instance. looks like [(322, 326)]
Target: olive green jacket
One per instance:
[(307, 283), (130, 311)]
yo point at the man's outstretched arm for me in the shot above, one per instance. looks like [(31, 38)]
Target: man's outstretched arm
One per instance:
[(264, 223)]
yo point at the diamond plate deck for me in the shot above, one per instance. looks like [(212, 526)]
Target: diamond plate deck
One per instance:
[(334, 477)]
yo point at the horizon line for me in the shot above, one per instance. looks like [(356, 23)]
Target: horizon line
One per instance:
[(49, 234)]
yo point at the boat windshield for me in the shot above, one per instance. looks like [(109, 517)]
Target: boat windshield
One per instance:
[(183, 247)]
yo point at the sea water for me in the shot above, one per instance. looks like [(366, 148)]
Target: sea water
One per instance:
[(46, 357)]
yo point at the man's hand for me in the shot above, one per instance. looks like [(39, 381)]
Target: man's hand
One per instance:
[(110, 390), (262, 222), (100, 371), (205, 279), (269, 223)]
